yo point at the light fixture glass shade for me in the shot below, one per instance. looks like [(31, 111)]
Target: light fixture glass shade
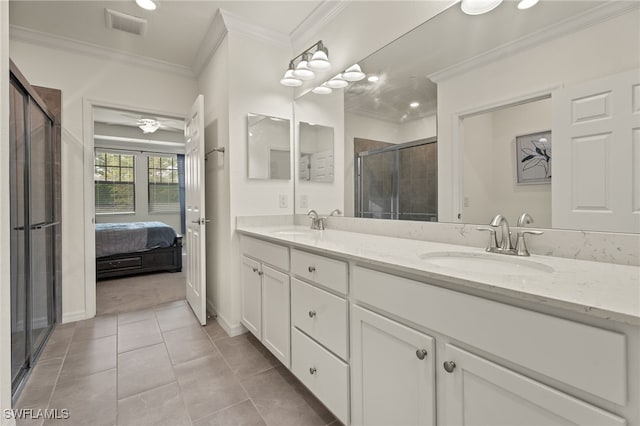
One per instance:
[(373, 78), (289, 80), (148, 125), (319, 61), (303, 72), (478, 7), (526, 4), (146, 4), (322, 90), (337, 82), (353, 73)]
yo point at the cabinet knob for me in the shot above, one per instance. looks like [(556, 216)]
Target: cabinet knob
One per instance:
[(421, 354), (312, 371), (260, 273), (255, 269), (449, 366), (312, 314), (312, 268)]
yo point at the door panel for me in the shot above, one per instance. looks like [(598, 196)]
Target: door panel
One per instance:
[(251, 283), (275, 314), (195, 211), (391, 384)]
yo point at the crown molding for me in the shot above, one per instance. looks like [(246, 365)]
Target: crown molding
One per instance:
[(210, 43), (567, 26), (318, 18), (27, 35), (236, 23)]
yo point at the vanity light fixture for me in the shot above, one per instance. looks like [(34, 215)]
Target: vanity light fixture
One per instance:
[(337, 82), (147, 4), (289, 80), (302, 67), (373, 79), (353, 73), (414, 104), (478, 7), (526, 4), (323, 89)]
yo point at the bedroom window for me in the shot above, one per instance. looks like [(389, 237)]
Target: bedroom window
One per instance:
[(164, 194), (114, 176)]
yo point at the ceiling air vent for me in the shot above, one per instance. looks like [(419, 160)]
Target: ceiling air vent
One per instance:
[(127, 23)]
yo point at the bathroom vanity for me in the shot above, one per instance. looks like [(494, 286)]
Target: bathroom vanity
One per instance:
[(395, 331)]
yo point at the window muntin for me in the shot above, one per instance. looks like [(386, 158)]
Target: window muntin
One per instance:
[(114, 177)]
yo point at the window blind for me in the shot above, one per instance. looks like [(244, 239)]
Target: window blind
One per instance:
[(114, 176)]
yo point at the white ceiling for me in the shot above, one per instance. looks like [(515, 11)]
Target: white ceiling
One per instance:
[(175, 30), (448, 39)]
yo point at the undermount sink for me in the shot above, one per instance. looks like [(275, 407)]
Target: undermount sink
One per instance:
[(486, 263)]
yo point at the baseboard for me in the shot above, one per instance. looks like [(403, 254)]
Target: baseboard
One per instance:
[(231, 329), (73, 316)]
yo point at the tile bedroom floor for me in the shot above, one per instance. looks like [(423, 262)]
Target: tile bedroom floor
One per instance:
[(158, 366)]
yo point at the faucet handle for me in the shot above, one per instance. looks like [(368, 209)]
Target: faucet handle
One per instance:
[(492, 245), (336, 212), (521, 245), (525, 219)]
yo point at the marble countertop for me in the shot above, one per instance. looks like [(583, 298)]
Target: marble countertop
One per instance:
[(601, 290)]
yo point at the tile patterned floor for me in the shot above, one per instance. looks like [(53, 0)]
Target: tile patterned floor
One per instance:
[(158, 366)]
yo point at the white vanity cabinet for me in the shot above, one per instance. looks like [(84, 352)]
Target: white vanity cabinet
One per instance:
[(266, 295), (392, 372)]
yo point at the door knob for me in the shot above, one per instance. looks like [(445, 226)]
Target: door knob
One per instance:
[(312, 268), (421, 354), (449, 366)]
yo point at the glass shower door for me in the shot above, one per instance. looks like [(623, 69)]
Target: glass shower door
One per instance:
[(375, 174)]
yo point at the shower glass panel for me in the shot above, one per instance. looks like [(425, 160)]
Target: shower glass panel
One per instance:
[(17, 152), (397, 181)]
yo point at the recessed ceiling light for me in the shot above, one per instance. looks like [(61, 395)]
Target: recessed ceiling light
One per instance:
[(414, 104), (147, 4), (526, 4), (478, 7), (373, 78)]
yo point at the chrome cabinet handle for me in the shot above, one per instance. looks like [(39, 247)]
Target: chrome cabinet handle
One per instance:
[(260, 273), (421, 354), (255, 269), (449, 366), (312, 268), (312, 371), (312, 314)]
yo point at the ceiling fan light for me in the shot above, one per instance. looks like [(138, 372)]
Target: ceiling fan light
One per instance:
[(148, 125), (147, 4), (289, 80), (353, 73), (319, 61), (337, 82), (478, 7), (526, 4), (323, 89)]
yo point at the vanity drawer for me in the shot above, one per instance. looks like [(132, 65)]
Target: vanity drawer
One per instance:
[(582, 356), (323, 373), (322, 270), (321, 315), (273, 254)]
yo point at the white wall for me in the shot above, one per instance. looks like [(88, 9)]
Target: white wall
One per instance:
[(597, 51), (5, 240), (83, 77), (326, 110), (233, 87), (489, 172)]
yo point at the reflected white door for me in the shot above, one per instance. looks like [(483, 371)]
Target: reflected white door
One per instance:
[(195, 214), (596, 155)]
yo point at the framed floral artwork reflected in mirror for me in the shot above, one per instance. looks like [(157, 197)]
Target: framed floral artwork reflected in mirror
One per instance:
[(533, 158)]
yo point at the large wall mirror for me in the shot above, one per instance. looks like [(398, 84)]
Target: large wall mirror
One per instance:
[(515, 110), (269, 147)]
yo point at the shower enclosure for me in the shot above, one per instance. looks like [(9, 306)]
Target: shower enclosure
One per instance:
[(35, 225), (396, 181)]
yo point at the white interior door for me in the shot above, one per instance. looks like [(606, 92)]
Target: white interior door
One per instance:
[(195, 214), (596, 155)]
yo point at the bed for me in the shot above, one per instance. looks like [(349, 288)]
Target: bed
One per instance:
[(136, 248)]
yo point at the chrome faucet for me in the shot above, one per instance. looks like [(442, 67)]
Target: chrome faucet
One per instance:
[(317, 222), (505, 246), (505, 242)]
